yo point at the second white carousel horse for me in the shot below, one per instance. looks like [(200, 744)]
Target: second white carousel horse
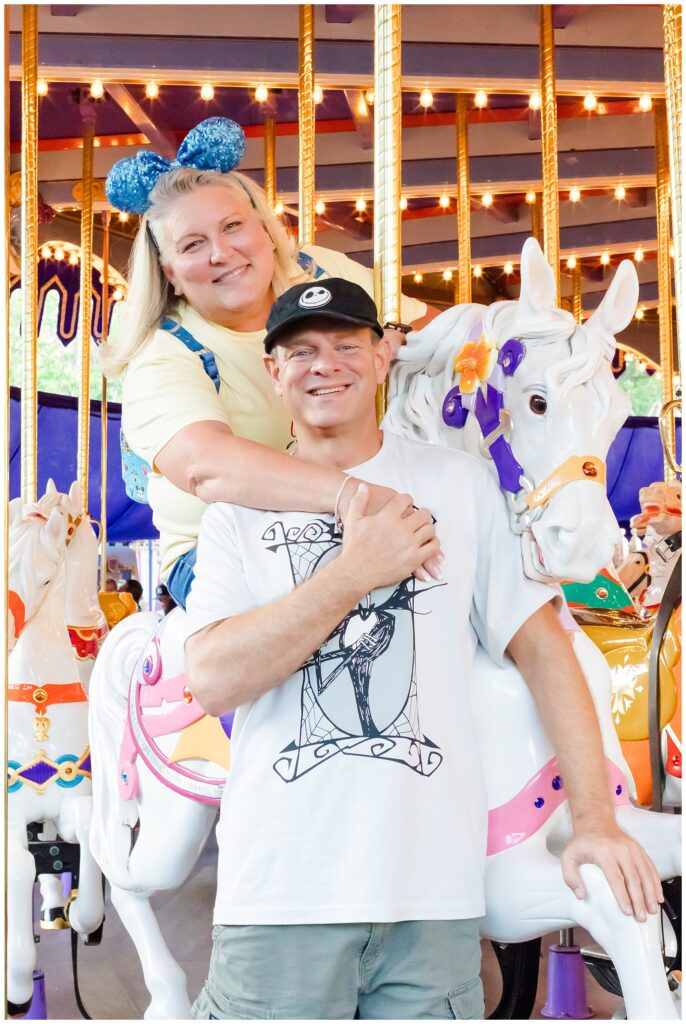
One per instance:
[(48, 756)]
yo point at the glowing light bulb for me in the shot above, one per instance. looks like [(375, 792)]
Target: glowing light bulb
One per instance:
[(530, 197), (319, 207), (605, 259), (418, 277), (318, 94), (444, 201), (571, 263), (447, 275), (640, 313), (361, 204), (426, 98), (46, 252), (574, 195), (123, 216), (117, 295), (477, 271), (73, 259), (152, 90), (639, 256), (261, 93), (487, 199), (369, 96), (278, 208), (59, 253), (42, 87), (403, 203), (480, 99), (645, 103), (207, 91), (535, 100), (620, 193), (590, 102), (508, 268), (671, 250), (97, 89)]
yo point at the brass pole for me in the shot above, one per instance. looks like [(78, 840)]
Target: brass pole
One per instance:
[(537, 220), (551, 214), (664, 290), (29, 253), (464, 243), (576, 293), (88, 118), (387, 167), (103, 402), (270, 160), (4, 610), (673, 93), (306, 125)]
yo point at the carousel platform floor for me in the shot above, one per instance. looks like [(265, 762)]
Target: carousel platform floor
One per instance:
[(110, 977)]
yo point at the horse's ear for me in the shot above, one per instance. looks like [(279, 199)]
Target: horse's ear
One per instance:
[(50, 487), (619, 305), (75, 493), (55, 529), (537, 294)]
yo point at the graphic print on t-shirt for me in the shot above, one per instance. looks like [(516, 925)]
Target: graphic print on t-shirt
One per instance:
[(359, 690)]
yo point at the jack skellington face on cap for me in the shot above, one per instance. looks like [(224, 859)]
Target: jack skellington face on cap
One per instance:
[(315, 297)]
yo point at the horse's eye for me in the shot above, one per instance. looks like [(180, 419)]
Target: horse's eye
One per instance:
[(538, 405)]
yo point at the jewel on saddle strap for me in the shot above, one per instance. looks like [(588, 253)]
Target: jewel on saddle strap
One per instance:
[(45, 694), (39, 773), (576, 467)]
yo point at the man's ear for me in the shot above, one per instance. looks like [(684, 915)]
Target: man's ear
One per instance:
[(273, 368), (382, 359)]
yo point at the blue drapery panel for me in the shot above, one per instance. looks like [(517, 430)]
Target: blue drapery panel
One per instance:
[(57, 437), (634, 460)]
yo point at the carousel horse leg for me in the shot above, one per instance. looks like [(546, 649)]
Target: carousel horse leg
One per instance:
[(52, 914), (173, 831), (86, 911), (21, 947), (526, 896)]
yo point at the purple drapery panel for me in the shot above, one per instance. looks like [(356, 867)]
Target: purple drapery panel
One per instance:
[(634, 460), (65, 279)]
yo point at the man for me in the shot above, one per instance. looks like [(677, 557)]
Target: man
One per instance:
[(167, 602), (353, 825)]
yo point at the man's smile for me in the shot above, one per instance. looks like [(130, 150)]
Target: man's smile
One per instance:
[(332, 390)]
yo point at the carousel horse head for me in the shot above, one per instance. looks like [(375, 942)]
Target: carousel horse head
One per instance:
[(532, 392), (660, 508), (37, 545)]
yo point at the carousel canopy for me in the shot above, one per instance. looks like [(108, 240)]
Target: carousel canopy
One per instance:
[(634, 460)]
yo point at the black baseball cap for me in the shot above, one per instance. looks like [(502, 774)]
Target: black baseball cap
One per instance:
[(332, 298)]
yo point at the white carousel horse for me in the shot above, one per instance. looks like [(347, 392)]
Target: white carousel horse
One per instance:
[(48, 755), (150, 772), (556, 383), (86, 620)]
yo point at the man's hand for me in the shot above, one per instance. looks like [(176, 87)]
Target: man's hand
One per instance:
[(395, 340), (377, 499), (388, 545), (631, 874)]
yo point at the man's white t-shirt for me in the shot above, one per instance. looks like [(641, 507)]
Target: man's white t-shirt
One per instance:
[(355, 792)]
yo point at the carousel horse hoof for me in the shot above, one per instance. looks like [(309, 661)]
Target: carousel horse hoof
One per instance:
[(53, 919), (95, 938), (18, 1009)]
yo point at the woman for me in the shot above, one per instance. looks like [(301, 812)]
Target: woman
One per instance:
[(208, 261)]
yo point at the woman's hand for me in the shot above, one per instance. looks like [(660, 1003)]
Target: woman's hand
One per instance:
[(378, 498)]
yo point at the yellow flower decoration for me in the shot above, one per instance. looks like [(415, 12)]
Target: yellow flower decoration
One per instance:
[(475, 364)]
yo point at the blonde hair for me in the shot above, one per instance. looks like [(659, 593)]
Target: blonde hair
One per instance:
[(151, 296)]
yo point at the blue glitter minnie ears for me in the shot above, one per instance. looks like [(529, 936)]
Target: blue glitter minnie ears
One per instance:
[(217, 144)]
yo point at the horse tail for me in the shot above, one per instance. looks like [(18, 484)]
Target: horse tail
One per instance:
[(114, 818)]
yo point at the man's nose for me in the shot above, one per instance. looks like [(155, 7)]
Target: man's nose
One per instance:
[(326, 361)]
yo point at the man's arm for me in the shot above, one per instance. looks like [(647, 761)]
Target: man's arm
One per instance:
[(239, 658), (545, 657)]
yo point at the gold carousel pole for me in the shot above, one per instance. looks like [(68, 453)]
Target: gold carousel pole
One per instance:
[(551, 215), (577, 308), (664, 270), (4, 610), (29, 252), (464, 243), (105, 306), (536, 220), (387, 168), (673, 93), (270, 160), (86, 288), (306, 126)]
